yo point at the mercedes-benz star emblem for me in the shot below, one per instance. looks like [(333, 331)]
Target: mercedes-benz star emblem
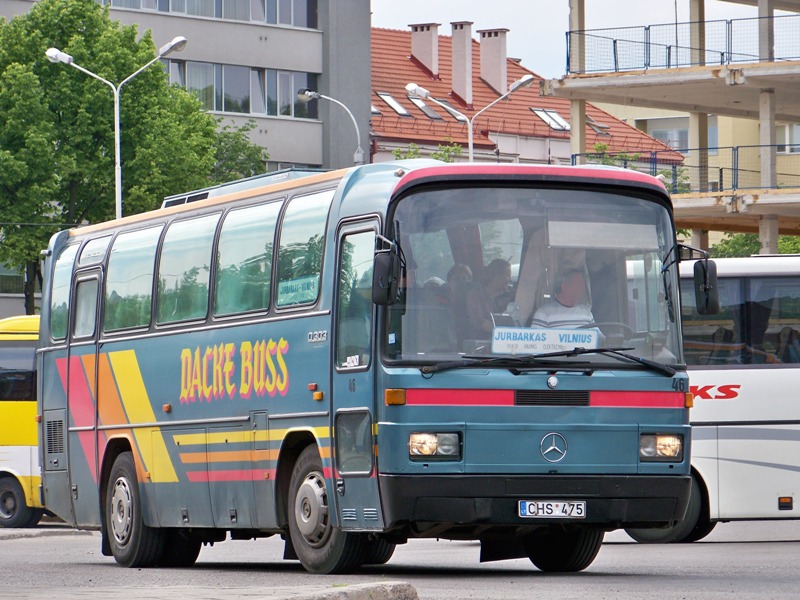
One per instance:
[(553, 447)]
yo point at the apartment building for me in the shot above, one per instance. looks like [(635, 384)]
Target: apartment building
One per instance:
[(247, 59), (733, 84)]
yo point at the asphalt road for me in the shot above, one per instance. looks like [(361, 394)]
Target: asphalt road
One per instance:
[(741, 560)]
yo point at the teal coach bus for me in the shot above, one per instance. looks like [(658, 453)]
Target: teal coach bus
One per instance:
[(286, 355)]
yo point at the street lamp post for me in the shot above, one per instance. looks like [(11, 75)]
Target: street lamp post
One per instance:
[(306, 95), (524, 81), (57, 56)]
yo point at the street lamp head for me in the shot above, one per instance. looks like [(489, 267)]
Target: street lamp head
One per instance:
[(523, 82), (54, 55), (177, 44), (305, 95), (413, 88)]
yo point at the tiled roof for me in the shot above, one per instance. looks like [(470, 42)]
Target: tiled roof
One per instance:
[(393, 68)]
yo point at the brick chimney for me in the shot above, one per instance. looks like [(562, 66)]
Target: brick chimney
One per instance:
[(462, 60), (494, 65), (425, 46)]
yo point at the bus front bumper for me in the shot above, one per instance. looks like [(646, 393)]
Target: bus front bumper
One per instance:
[(457, 501)]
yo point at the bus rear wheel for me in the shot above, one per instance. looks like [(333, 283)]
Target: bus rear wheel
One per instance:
[(378, 552), (180, 551), (564, 551), (320, 547), (13, 510), (133, 544)]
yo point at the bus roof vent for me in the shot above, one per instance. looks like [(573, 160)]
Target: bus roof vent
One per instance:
[(239, 185)]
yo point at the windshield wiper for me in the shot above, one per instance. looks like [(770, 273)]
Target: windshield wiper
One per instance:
[(507, 362), (615, 352)]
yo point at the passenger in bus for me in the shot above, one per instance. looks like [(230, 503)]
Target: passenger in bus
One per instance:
[(481, 301), (568, 307)]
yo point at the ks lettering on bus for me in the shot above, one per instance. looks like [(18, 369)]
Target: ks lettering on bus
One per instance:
[(220, 371), (715, 392)]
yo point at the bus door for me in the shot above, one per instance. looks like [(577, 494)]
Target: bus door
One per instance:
[(82, 394), (353, 387)]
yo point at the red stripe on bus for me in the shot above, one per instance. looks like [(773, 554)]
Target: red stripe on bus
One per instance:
[(460, 397), (638, 399), (81, 405)]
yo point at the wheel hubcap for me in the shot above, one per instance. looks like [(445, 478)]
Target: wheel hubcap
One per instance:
[(8, 505), (121, 510), (311, 510)]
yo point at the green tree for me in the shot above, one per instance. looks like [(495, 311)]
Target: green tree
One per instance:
[(445, 153), (747, 244), (57, 141)]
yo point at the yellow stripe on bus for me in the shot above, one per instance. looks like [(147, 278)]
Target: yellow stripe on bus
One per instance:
[(231, 437), (139, 410)]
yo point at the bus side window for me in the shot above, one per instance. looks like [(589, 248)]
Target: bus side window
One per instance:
[(244, 259), (302, 243), (60, 292), (129, 283), (354, 316), (184, 269)]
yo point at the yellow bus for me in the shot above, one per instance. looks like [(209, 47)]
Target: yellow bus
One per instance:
[(20, 479)]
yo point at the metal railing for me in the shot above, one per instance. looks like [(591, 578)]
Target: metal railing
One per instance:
[(670, 45), (723, 169)]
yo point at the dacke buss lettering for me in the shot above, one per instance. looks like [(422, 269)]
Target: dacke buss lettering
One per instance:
[(211, 374)]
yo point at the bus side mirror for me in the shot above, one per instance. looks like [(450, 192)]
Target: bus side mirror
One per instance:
[(385, 278), (706, 292)]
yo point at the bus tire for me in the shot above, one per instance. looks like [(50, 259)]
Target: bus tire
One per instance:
[(320, 547), (14, 512), (564, 551), (179, 551), (133, 544), (680, 531), (378, 552)]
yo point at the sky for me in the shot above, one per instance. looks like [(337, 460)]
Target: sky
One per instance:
[(537, 28)]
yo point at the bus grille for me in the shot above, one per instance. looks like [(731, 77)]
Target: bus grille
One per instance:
[(551, 398), (55, 437)]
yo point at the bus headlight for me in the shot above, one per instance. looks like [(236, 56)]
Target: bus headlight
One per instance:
[(661, 447), (436, 446)]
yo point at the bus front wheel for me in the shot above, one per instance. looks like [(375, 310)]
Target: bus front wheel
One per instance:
[(564, 551), (320, 547), (13, 510), (133, 544), (682, 531)]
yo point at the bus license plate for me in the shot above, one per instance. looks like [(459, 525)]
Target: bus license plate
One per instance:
[(552, 509)]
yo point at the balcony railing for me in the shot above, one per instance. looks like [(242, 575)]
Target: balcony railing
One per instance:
[(670, 45), (725, 169)]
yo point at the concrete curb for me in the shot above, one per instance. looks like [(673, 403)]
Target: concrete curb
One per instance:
[(389, 590), (34, 532)]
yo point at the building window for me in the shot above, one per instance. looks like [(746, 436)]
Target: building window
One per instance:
[(294, 13), (787, 137), (236, 89), (554, 120)]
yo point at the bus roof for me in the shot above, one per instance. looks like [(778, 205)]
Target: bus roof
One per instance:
[(23, 327)]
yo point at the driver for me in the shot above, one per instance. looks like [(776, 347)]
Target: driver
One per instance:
[(567, 309)]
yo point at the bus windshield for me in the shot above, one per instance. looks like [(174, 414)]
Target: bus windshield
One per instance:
[(533, 271)]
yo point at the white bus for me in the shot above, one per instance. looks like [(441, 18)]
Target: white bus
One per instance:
[(744, 371)]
